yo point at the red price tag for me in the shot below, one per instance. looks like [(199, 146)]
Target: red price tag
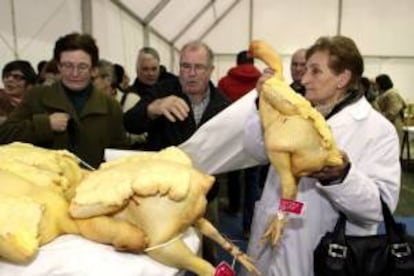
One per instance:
[(224, 269), (291, 206)]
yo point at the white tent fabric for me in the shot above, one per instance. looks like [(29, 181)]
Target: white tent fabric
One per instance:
[(381, 28)]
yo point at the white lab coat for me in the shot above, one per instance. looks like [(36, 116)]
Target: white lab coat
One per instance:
[(371, 143)]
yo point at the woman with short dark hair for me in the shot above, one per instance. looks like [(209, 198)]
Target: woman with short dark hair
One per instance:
[(370, 166), (71, 113)]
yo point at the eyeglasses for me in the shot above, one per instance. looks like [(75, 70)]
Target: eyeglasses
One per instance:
[(70, 67), (198, 68), (15, 76)]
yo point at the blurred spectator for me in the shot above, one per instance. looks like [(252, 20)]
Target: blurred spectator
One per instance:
[(390, 103), (368, 88), (126, 98), (18, 76), (40, 65), (122, 78), (149, 71), (297, 70), (104, 77), (50, 73)]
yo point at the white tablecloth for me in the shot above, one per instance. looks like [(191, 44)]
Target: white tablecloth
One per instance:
[(72, 255)]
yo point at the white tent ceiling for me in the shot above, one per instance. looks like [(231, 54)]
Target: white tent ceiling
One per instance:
[(381, 28)]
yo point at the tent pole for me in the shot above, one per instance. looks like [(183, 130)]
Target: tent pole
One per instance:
[(155, 11), (14, 30), (193, 20), (86, 12), (339, 24), (251, 10)]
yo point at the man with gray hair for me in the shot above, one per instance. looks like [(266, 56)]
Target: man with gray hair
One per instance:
[(173, 110), (149, 71)]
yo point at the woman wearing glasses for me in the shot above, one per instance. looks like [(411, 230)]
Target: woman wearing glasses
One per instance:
[(18, 76), (70, 114)]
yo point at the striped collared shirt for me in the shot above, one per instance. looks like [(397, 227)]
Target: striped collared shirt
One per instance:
[(199, 108)]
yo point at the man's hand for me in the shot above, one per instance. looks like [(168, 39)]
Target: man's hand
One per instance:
[(59, 121), (172, 107)]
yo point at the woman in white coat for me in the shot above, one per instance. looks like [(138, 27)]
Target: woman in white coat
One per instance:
[(371, 154)]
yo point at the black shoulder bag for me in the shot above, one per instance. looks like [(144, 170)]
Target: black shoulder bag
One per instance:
[(389, 254)]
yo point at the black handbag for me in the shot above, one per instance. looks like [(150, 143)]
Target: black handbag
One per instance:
[(389, 254)]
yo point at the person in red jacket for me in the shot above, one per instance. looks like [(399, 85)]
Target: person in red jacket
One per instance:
[(240, 80)]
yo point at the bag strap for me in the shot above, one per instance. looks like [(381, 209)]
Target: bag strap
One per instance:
[(394, 231), (338, 234)]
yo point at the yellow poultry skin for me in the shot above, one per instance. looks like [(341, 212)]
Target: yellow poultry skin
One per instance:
[(297, 139), (142, 204), (36, 186), (30, 216), (162, 194)]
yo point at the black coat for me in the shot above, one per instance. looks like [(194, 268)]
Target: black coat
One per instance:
[(163, 133)]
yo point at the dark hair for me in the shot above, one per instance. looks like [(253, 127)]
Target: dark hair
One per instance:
[(76, 41), (384, 82), (344, 55), (365, 84), (243, 57), (51, 67), (40, 65), (119, 73), (23, 66)]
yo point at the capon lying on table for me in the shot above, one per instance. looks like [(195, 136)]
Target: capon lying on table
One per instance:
[(141, 203)]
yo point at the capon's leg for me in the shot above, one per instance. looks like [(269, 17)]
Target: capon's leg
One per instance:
[(288, 185), (178, 255), (211, 232)]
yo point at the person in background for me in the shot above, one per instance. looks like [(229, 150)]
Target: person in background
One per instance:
[(240, 80), (50, 73), (70, 114), (368, 88), (5, 106), (40, 65), (126, 98), (149, 71), (18, 76), (174, 109), (104, 77), (122, 78), (297, 70), (370, 169), (390, 103)]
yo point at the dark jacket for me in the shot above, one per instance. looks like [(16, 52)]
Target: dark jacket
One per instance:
[(141, 88), (98, 126), (239, 80), (163, 133)]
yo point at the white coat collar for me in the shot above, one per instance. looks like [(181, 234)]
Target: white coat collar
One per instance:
[(358, 111)]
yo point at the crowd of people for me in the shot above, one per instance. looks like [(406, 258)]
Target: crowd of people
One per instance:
[(83, 103)]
